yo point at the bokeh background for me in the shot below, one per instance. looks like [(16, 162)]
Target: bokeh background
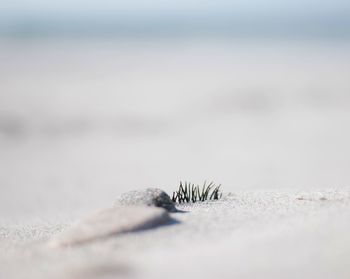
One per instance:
[(102, 97)]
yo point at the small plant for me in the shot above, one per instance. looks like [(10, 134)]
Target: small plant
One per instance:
[(189, 192)]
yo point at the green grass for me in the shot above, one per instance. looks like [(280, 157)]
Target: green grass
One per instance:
[(189, 192)]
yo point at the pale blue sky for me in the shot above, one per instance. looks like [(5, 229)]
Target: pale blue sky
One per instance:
[(305, 18), (155, 7)]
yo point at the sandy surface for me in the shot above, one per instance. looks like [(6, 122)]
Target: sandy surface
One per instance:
[(244, 235), (82, 122)]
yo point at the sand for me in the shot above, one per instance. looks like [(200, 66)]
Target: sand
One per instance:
[(81, 122), (243, 235)]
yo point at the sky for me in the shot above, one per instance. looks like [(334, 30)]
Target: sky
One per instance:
[(303, 17), (155, 7)]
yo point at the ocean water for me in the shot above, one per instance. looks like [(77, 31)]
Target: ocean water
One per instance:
[(83, 120)]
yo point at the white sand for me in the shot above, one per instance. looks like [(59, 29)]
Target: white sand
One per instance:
[(245, 235), (82, 122)]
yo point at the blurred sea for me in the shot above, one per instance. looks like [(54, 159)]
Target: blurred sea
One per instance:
[(87, 113)]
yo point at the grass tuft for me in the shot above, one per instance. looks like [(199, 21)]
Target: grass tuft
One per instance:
[(189, 192)]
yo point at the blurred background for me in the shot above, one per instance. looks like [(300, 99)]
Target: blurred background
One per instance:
[(102, 97)]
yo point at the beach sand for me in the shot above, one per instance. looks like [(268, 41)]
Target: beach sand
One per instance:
[(243, 235), (82, 122)]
